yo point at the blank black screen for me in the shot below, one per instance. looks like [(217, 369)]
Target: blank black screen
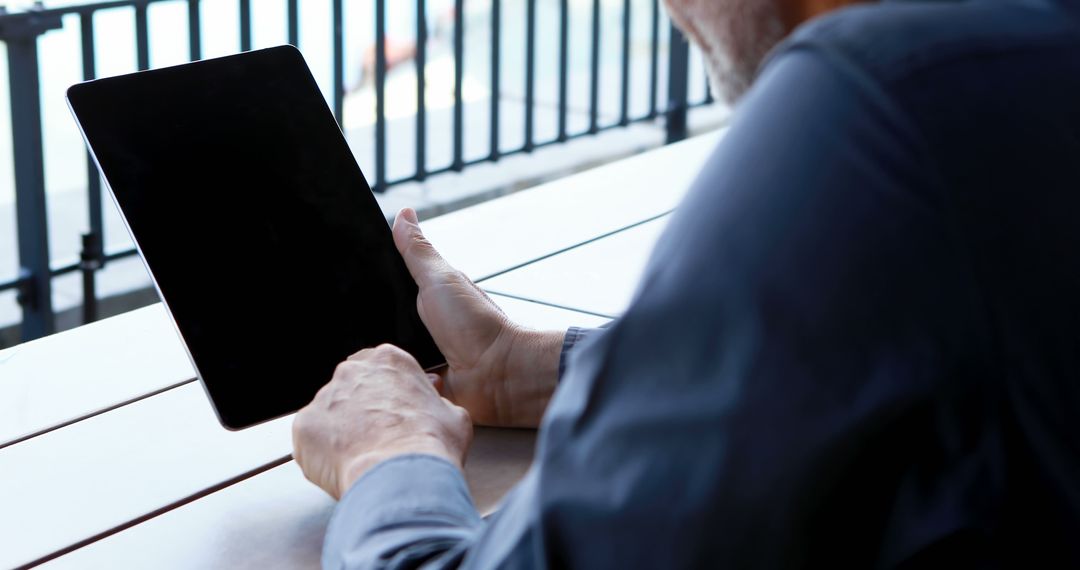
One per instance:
[(253, 217)]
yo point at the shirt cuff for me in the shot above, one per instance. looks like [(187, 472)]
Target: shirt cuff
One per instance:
[(398, 503), (574, 335)]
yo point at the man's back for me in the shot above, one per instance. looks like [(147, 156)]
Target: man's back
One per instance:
[(855, 346), (985, 95)]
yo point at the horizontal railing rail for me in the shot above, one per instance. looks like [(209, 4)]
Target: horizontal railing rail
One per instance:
[(20, 32)]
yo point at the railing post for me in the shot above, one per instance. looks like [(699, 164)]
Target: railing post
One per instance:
[(458, 162), (678, 81), (92, 256), (380, 96), (245, 25), (337, 10), (20, 32), (530, 74), (90, 261)]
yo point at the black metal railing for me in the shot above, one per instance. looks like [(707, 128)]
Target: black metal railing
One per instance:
[(20, 32)]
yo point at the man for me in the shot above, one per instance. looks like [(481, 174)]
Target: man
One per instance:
[(855, 346)]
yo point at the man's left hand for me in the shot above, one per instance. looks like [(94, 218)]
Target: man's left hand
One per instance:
[(379, 404)]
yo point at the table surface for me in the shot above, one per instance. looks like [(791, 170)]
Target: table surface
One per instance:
[(110, 455), (604, 273)]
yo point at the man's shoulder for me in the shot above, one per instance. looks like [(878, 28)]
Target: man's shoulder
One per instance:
[(893, 40)]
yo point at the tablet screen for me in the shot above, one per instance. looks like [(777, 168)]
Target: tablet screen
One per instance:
[(256, 223)]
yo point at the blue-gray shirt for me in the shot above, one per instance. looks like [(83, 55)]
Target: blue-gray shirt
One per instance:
[(857, 345)]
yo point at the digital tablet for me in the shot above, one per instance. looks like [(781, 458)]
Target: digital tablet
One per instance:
[(261, 234)]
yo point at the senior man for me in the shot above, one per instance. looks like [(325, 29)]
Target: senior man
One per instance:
[(855, 346)]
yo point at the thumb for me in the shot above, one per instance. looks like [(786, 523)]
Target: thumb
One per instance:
[(424, 263)]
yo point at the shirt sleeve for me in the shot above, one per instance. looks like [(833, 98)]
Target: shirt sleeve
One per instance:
[(574, 336), (760, 402), (441, 520), (406, 512)]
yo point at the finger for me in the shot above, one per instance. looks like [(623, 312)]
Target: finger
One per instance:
[(424, 262), (361, 354), (459, 410), (396, 356), (436, 381)]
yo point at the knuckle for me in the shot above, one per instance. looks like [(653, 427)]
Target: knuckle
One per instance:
[(344, 368), (301, 426), (419, 245), (462, 415), (421, 241), (392, 353), (360, 354), (346, 372), (324, 390)]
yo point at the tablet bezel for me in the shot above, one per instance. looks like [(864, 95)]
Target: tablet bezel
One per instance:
[(287, 53)]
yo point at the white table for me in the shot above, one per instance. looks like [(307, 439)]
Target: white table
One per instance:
[(110, 455), (598, 277), (104, 473)]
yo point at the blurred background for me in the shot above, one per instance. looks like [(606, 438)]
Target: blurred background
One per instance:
[(546, 87)]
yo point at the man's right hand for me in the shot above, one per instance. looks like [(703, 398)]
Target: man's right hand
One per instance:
[(502, 373)]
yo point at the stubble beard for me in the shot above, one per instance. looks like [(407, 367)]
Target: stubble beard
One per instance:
[(734, 37)]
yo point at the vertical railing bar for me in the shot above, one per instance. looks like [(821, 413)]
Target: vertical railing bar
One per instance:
[(530, 79), (88, 266), (245, 25), (93, 254), (421, 89), (93, 178), (194, 31), (564, 54), (142, 36), (624, 103), (339, 62), (459, 62), (654, 61), (594, 78), (496, 96), (678, 80), (35, 272), (293, 22), (380, 95)]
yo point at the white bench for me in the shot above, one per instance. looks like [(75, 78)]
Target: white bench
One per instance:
[(110, 455)]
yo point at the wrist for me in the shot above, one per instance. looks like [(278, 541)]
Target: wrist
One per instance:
[(531, 373), (355, 468)]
